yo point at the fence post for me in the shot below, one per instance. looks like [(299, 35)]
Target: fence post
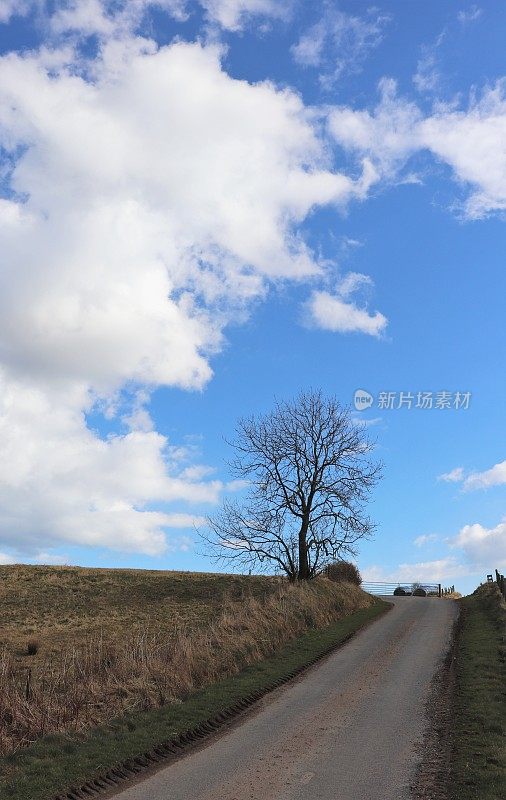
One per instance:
[(499, 579), (439, 590)]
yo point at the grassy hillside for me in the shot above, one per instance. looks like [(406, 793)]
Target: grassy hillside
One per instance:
[(61, 606), (55, 764), (479, 720), (110, 642)]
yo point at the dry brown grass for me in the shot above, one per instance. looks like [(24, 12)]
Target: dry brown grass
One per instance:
[(489, 596), (92, 676), (60, 606)]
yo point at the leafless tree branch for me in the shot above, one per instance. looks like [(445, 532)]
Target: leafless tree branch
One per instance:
[(310, 474)]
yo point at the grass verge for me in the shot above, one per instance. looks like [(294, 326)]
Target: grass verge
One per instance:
[(56, 763), (479, 728)]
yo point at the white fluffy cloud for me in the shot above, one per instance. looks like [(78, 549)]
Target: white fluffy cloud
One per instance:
[(332, 313), (338, 312), (155, 194), (10, 8), (388, 134), (107, 18), (233, 14), (426, 538), (151, 198), (484, 547), (469, 15), (119, 17), (60, 482), (454, 476), (339, 42), (470, 140), (427, 77), (495, 476), (442, 569)]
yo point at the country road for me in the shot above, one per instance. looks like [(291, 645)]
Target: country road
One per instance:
[(349, 729)]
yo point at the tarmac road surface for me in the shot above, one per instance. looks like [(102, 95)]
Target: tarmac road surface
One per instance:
[(351, 728)]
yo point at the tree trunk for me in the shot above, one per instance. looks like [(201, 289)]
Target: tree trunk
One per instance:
[(303, 574)]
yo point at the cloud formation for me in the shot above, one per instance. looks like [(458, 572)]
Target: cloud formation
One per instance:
[(471, 14), (485, 548), (150, 197), (427, 78), (339, 42), (442, 569), (454, 476), (495, 476), (338, 312), (106, 18), (469, 140), (142, 200), (11, 8), (61, 483), (234, 14), (427, 538)]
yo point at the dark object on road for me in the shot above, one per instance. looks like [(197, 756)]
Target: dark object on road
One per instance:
[(419, 592), (400, 592)]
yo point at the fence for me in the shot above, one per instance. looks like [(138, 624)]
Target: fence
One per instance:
[(500, 580), (432, 589)]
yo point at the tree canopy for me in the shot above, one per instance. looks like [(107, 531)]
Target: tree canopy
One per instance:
[(309, 474)]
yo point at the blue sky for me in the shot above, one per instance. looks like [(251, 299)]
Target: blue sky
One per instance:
[(207, 206)]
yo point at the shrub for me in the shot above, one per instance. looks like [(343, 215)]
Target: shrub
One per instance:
[(489, 597), (400, 592), (419, 591), (344, 572)]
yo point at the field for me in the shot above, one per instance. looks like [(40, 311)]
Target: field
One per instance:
[(61, 607), (80, 647)]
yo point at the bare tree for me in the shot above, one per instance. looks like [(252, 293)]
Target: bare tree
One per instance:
[(309, 476)]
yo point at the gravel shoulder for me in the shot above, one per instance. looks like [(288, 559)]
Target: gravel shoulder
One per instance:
[(352, 727)]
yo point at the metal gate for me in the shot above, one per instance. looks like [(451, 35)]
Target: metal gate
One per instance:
[(408, 587)]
